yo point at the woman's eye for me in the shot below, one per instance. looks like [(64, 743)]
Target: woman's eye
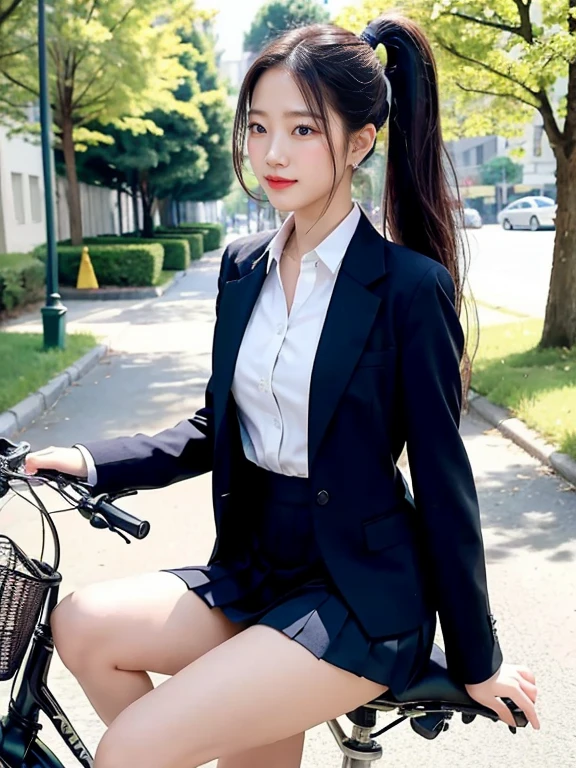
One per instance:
[(254, 128), (308, 130)]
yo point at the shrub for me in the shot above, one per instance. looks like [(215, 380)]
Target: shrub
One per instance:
[(176, 251), (113, 264), (212, 232), (195, 241), (22, 280)]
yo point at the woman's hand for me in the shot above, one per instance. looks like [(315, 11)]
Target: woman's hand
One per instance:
[(513, 682), (68, 460)]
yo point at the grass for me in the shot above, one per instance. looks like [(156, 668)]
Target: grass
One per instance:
[(537, 385), (26, 366)]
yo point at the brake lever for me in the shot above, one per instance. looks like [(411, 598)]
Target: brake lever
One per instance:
[(112, 497)]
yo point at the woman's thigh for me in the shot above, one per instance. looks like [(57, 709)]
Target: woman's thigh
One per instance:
[(151, 623), (257, 688)]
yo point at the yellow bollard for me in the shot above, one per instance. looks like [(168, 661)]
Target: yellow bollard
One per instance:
[(86, 274)]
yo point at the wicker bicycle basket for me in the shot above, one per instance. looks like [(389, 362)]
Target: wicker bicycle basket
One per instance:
[(23, 585)]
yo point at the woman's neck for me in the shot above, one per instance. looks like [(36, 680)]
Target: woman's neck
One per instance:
[(310, 228)]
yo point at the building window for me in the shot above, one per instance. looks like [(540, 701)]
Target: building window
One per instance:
[(480, 154), (466, 158), (35, 201), (537, 140), (18, 197)]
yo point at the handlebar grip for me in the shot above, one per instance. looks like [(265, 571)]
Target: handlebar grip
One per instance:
[(117, 518)]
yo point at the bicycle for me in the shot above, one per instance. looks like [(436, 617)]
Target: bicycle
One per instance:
[(29, 592)]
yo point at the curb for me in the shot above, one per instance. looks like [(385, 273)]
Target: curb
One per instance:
[(115, 294), (528, 439), (24, 413)]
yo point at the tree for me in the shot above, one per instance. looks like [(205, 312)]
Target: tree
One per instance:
[(276, 16), (501, 169), (112, 62), (189, 159), (213, 104), (500, 60)]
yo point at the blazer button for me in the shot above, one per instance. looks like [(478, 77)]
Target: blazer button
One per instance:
[(322, 498)]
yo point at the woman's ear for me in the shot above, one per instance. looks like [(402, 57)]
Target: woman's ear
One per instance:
[(360, 144)]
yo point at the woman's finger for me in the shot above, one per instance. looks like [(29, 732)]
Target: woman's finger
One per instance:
[(530, 690), (525, 704), (527, 674), (498, 706)]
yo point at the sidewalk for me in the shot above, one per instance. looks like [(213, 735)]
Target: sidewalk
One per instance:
[(156, 376)]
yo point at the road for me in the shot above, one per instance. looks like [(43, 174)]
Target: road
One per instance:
[(511, 269), (156, 376)]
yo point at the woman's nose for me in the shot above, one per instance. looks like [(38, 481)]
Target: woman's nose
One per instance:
[(276, 154)]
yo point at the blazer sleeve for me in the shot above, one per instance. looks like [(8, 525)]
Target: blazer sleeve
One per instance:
[(181, 452), (444, 490)]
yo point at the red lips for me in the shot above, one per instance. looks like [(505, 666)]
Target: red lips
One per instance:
[(277, 182)]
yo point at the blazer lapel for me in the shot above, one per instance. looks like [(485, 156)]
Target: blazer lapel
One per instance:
[(349, 320), (236, 305)]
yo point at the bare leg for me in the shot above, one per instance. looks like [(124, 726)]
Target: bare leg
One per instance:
[(282, 754), (110, 634), (257, 688)]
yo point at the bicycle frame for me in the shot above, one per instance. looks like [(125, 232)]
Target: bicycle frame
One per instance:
[(19, 743)]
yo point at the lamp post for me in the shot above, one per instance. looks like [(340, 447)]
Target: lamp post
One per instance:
[(54, 312)]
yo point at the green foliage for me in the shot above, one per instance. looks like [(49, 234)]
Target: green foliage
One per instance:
[(277, 16), (211, 231), (106, 60), (22, 280), (195, 240), (213, 104), (113, 264), (190, 158), (491, 78), (176, 252), (500, 168)]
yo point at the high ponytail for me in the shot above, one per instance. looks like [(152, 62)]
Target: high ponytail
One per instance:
[(419, 206), (339, 71)]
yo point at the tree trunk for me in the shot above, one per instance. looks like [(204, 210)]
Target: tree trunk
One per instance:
[(119, 199), (560, 319), (134, 188), (74, 209), (147, 205)]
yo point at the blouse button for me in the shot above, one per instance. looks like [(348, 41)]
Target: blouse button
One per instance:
[(279, 328), (322, 498)]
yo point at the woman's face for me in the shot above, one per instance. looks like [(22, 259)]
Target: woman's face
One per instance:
[(286, 142)]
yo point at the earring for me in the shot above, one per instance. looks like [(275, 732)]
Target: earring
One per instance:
[(355, 166)]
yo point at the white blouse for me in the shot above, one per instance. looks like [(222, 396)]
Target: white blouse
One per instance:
[(271, 382)]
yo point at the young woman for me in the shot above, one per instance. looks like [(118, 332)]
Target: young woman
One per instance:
[(333, 348)]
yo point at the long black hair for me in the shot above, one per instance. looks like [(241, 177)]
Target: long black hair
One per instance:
[(335, 68)]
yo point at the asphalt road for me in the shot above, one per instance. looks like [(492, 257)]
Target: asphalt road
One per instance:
[(511, 269), (156, 376)]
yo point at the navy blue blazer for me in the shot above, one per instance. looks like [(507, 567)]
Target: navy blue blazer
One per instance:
[(386, 375)]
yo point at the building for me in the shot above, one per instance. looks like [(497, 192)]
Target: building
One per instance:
[(22, 220)]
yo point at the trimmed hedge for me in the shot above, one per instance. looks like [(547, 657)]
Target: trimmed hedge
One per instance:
[(195, 242), (212, 232), (176, 251), (113, 264), (22, 280)]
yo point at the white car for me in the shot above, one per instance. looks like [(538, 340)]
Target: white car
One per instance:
[(472, 219), (532, 212)]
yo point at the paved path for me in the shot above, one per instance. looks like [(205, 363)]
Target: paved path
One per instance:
[(156, 376)]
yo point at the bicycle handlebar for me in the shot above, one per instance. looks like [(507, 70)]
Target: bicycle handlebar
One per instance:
[(99, 510), (122, 520)]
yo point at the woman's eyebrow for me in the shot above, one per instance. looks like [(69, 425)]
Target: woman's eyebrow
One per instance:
[(290, 113)]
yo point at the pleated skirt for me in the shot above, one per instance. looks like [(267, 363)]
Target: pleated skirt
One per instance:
[(280, 581)]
